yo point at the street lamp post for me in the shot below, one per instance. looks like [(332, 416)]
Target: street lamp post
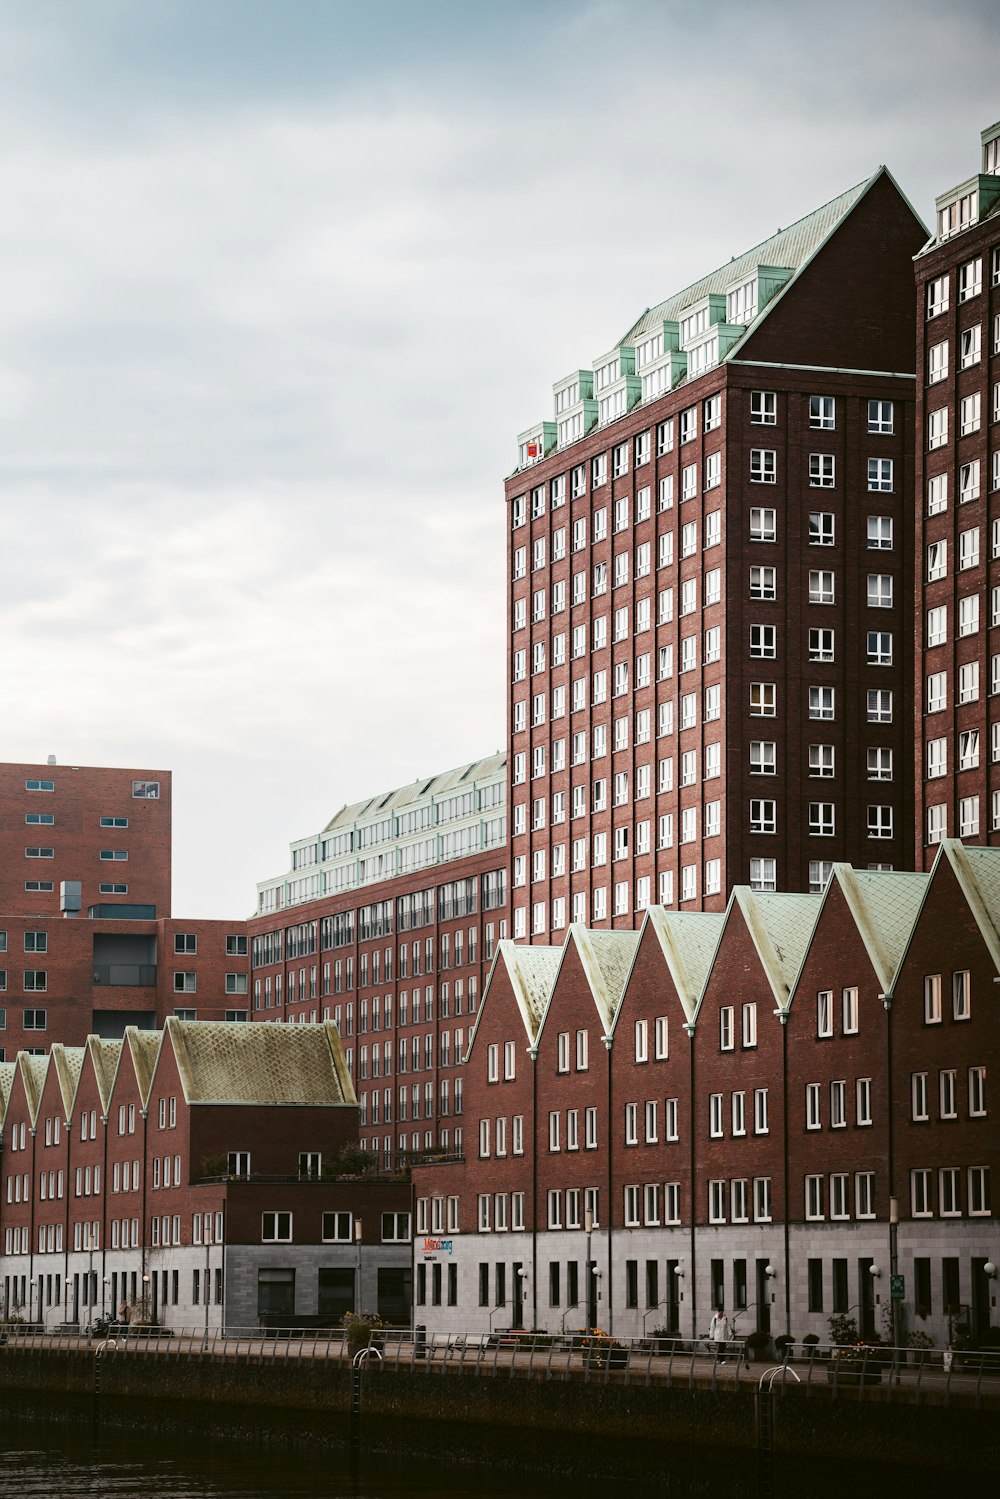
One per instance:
[(208, 1271), (588, 1224), (88, 1244), (357, 1241)]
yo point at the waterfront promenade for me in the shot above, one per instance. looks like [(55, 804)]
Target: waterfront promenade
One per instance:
[(873, 1375)]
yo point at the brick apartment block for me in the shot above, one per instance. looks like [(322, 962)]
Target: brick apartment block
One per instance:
[(710, 575), (722, 1108), (386, 924), (957, 594), (182, 1172)]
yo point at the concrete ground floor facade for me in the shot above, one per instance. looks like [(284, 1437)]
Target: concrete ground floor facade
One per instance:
[(774, 1278)]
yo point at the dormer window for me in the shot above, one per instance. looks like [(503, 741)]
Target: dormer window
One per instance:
[(606, 374), (741, 303), (958, 214), (648, 350), (695, 323)]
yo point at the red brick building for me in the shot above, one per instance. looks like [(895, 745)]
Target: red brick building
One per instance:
[(758, 1090), (102, 833), (87, 942), (192, 1173), (385, 924), (710, 575), (957, 584)]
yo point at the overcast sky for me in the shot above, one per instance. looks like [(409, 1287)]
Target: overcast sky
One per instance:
[(280, 281)]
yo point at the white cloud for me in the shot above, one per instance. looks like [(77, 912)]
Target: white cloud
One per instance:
[(264, 354)]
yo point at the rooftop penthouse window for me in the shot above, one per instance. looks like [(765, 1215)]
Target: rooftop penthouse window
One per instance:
[(648, 350), (567, 397), (696, 322), (741, 303), (606, 374), (958, 214)]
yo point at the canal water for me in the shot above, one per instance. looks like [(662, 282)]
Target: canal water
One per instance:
[(43, 1459)]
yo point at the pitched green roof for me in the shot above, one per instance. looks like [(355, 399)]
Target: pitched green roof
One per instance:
[(688, 940), (790, 248)]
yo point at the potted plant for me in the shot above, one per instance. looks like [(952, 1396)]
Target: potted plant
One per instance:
[(783, 1346), (843, 1329), (361, 1330), (757, 1342), (809, 1345)]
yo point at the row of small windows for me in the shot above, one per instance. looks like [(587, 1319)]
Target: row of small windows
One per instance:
[(969, 279), (763, 412), (141, 790)]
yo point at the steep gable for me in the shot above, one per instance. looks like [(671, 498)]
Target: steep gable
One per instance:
[(851, 305)]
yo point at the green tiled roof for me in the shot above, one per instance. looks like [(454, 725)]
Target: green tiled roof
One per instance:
[(688, 940), (790, 248)]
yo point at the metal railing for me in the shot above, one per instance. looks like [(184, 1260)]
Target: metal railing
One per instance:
[(874, 1374)]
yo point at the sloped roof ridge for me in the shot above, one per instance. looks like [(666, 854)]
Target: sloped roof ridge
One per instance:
[(7, 1071), (144, 1048), (33, 1074), (606, 958), (105, 1055), (822, 219), (885, 905), (781, 926), (688, 941), (395, 795), (68, 1062), (230, 1062), (978, 873)]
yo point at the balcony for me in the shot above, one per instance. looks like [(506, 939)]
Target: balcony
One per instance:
[(126, 975)]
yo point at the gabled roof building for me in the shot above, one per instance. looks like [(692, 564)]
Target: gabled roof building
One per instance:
[(709, 578)]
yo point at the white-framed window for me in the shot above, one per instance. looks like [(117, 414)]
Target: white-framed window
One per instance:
[(919, 1112), (821, 586), (937, 494), (821, 702), (880, 532), (763, 874), (969, 414), (763, 408), (822, 470), (822, 819), (968, 548), (823, 412), (880, 417), (763, 699), (921, 1203), (763, 815), (763, 523), (937, 296), (763, 466), (937, 691), (824, 1013), (932, 999), (937, 428), (961, 994), (763, 641), (879, 648), (879, 759), (822, 528), (880, 590), (762, 757), (822, 760)]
